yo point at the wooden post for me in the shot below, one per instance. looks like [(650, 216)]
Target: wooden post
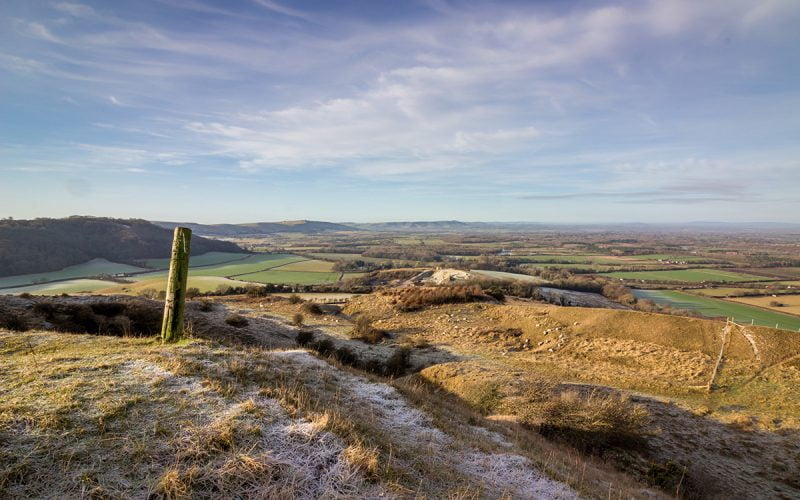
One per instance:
[(172, 327)]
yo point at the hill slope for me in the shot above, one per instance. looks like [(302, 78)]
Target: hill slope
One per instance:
[(41, 245), (259, 228)]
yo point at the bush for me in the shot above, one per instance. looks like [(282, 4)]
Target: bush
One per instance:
[(10, 320), (364, 331), (596, 423), (192, 292), (206, 306), (346, 356), (25, 295), (414, 298), (236, 320), (311, 308), (776, 303), (295, 299), (297, 320), (304, 337), (399, 362), (496, 293), (324, 347)]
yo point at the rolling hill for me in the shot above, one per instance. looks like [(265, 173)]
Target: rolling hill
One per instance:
[(258, 228), (41, 245)]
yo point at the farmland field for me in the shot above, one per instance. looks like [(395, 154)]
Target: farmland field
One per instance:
[(791, 303), (509, 276), (571, 259), (251, 264), (94, 267), (290, 277), (717, 308), (203, 283), (687, 275), (734, 292), (674, 257), (207, 259), (59, 287), (318, 266), (348, 257)]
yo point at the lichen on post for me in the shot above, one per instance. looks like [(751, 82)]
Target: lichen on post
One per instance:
[(172, 327)]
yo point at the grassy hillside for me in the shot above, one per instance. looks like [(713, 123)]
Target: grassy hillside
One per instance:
[(43, 245)]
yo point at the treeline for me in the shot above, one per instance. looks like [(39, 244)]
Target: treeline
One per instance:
[(42, 245)]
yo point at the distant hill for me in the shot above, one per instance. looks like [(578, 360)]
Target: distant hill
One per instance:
[(259, 228), (434, 225), (42, 245)]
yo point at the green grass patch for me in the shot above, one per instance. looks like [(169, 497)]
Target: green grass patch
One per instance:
[(290, 277), (716, 308), (94, 267), (59, 287), (317, 266), (688, 275), (251, 264), (675, 258), (207, 259), (566, 259)]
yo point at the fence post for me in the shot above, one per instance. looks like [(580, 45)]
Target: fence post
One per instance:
[(172, 327)]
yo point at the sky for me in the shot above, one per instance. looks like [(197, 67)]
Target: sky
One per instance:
[(377, 110)]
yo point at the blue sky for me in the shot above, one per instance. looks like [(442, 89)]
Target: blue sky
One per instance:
[(251, 110)]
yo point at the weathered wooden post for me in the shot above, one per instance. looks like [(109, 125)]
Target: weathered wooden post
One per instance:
[(172, 327)]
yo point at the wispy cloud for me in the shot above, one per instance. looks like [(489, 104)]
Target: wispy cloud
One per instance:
[(673, 102)]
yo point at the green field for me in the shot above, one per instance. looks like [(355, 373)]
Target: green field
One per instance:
[(92, 268), (716, 308), (509, 276), (674, 257), (203, 283), (317, 266), (347, 257), (207, 259), (687, 275), (597, 268), (571, 259), (251, 264), (59, 287), (290, 277)]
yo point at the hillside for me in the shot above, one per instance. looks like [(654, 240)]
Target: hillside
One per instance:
[(41, 245), (258, 228)]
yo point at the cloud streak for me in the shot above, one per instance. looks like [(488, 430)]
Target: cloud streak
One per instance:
[(645, 102)]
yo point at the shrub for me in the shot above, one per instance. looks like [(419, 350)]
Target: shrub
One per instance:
[(297, 320), (364, 331), (148, 293), (304, 337), (596, 423), (346, 356), (25, 295), (414, 298), (206, 306), (13, 321), (236, 320), (496, 293), (311, 308), (776, 303), (192, 292), (295, 299), (415, 340), (324, 347), (399, 362)]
